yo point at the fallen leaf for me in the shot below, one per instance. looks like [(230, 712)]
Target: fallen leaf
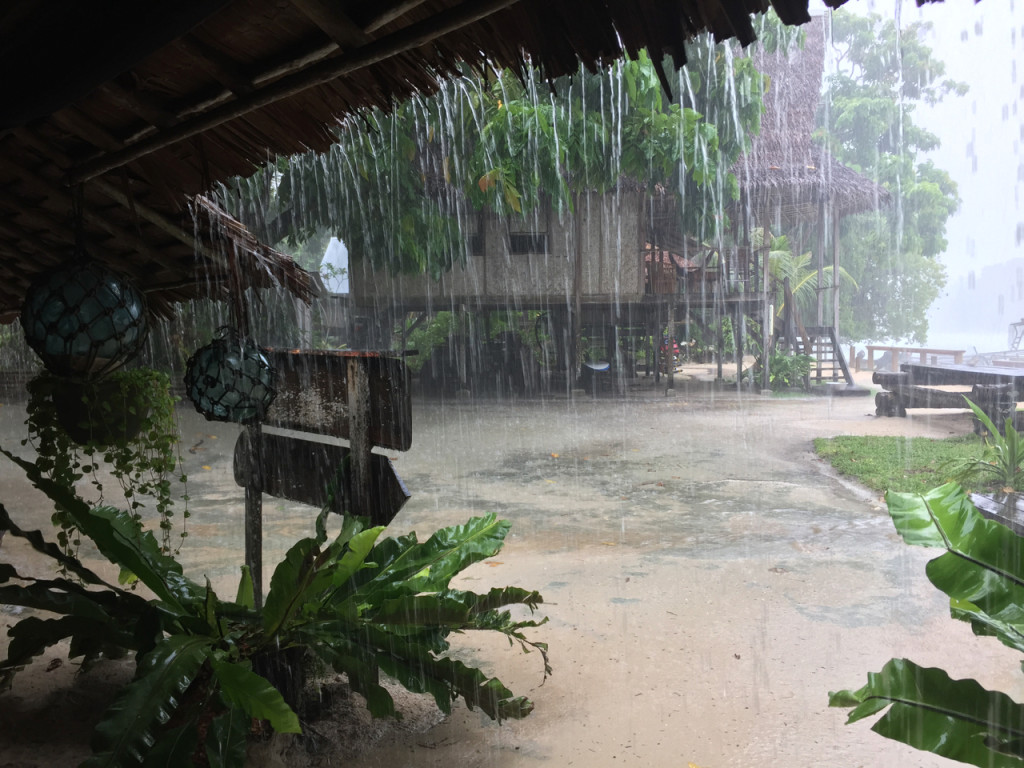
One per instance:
[(495, 563), (207, 467), (554, 455), (549, 481), (608, 543), (54, 664)]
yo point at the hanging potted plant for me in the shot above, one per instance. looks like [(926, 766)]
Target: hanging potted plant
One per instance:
[(124, 423)]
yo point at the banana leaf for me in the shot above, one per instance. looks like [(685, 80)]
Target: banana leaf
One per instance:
[(456, 609), (226, 739), (407, 567), (957, 719), (306, 575), (32, 636), (982, 569), (175, 748)]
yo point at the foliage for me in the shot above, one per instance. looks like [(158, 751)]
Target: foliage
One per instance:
[(361, 604), (786, 370), (907, 464), (1001, 462), (401, 188), (426, 337), (784, 265), (131, 432), (981, 571), (882, 74)]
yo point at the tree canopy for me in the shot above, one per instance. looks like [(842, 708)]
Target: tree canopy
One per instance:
[(400, 188), (869, 121)]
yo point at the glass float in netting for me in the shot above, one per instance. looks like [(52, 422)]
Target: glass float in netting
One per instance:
[(230, 379), (83, 319)]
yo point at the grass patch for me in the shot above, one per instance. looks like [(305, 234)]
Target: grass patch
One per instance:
[(911, 465)]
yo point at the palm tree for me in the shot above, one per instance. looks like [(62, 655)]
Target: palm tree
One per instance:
[(800, 270)]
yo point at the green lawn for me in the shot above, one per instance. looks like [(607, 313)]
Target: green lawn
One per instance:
[(913, 465)]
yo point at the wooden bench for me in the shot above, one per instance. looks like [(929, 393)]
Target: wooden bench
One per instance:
[(923, 354)]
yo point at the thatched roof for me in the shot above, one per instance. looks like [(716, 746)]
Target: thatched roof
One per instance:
[(145, 104), (785, 172)]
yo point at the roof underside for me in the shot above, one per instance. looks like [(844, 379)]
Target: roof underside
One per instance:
[(123, 110)]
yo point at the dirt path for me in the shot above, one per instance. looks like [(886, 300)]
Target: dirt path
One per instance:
[(707, 580)]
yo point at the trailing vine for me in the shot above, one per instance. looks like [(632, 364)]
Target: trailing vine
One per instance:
[(122, 425)]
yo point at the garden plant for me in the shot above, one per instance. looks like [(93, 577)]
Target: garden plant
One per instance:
[(360, 604), (122, 424), (982, 571)]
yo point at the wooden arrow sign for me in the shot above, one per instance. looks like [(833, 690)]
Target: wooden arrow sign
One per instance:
[(316, 474), (314, 395)]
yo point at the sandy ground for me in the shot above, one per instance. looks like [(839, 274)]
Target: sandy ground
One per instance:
[(707, 581)]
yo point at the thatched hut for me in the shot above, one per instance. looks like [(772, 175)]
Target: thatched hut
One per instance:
[(790, 182)]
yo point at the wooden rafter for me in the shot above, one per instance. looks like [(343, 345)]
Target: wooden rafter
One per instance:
[(334, 22), (374, 52)]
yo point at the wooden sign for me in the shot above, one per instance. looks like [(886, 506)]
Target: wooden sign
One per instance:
[(313, 395), (317, 474)]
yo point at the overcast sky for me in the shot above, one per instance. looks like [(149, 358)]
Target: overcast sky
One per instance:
[(981, 132)]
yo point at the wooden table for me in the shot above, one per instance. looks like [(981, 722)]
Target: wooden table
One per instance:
[(923, 353), (995, 390)]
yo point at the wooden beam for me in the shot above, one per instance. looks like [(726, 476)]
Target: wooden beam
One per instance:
[(334, 22), (76, 122), (139, 104), (60, 200), (220, 67), (394, 12), (375, 52), (119, 196)]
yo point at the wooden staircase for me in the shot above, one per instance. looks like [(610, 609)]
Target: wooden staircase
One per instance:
[(820, 342)]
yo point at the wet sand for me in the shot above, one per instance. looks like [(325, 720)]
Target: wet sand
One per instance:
[(707, 579)]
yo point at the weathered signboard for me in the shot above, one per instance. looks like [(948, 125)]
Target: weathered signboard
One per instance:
[(318, 474), (314, 395)]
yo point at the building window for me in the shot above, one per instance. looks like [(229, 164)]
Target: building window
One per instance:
[(520, 243), (476, 244)]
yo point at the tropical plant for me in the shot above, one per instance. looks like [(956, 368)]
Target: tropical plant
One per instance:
[(361, 604), (1001, 463), (982, 571), (786, 370), (802, 274), (124, 424)]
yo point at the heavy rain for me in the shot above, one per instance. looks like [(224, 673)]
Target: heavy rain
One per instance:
[(490, 402)]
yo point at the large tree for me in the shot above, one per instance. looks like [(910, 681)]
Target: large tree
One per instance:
[(882, 75)]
